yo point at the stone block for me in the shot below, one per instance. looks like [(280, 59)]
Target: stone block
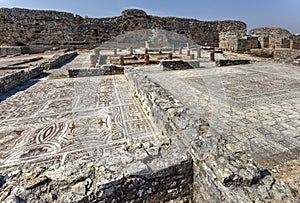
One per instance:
[(107, 69), (168, 65), (231, 62)]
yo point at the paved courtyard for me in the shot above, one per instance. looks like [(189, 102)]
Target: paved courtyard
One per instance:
[(255, 107)]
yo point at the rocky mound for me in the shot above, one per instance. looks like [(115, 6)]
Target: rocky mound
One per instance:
[(33, 27)]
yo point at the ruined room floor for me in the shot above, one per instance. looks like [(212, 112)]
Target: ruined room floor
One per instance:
[(10, 64), (255, 107), (59, 120)]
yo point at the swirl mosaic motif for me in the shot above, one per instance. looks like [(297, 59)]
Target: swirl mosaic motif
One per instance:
[(59, 120)]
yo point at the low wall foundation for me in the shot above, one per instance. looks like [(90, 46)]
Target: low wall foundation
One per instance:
[(12, 80)]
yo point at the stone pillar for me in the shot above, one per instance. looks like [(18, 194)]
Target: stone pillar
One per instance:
[(291, 44), (188, 52), (198, 53), (146, 44), (108, 61), (180, 50), (97, 52), (170, 56), (147, 59), (115, 52), (212, 56), (122, 60), (192, 56), (93, 60), (131, 50)]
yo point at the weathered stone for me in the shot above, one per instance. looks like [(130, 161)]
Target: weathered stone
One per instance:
[(3, 180), (275, 35), (108, 69), (30, 184), (231, 62), (212, 56), (198, 53), (146, 59), (88, 31), (10, 81), (174, 65), (14, 199), (81, 187), (188, 52)]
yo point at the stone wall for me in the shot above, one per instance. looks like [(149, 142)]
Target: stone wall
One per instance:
[(285, 43), (12, 80), (231, 62), (98, 71), (283, 55), (228, 40), (295, 45), (161, 186), (286, 55), (10, 50), (22, 26), (167, 65), (275, 35), (244, 44), (220, 174)]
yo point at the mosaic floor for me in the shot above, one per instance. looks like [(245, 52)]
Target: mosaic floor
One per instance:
[(61, 120), (255, 107)]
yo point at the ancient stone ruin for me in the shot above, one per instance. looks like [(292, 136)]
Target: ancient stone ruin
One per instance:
[(139, 108)]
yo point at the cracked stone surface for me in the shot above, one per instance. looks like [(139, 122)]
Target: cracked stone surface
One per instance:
[(59, 120), (255, 107), (53, 128)]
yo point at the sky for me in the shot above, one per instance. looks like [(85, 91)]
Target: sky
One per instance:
[(255, 13)]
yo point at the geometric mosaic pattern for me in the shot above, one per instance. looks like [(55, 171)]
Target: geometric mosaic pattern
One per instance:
[(255, 107), (60, 120)]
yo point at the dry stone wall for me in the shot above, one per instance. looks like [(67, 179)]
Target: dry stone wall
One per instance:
[(25, 27)]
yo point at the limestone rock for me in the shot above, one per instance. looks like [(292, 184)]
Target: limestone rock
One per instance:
[(13, 199), (133, 13), (29, 27)]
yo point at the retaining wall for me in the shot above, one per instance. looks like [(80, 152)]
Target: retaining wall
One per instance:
[(12, 80)]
